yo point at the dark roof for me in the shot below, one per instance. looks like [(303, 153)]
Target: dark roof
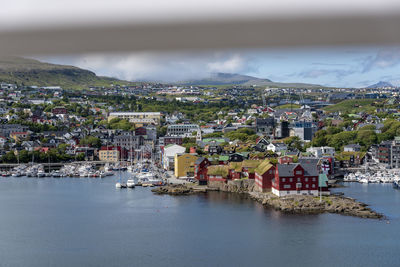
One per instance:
[(199, 160), (286, 169), (310, 168)]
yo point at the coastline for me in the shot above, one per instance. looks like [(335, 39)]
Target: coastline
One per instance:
[(296, 204)]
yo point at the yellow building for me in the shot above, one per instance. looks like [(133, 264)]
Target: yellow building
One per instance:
[(184, 165), (138, 118), (19, 136), (109, 155)]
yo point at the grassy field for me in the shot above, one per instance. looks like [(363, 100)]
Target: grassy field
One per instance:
[(353, 106), (288, 106)]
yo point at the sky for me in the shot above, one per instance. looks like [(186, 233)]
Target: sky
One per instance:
[(328, 66)]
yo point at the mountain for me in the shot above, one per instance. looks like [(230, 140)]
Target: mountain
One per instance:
[(238, 79), (381, 85), (25, 71)]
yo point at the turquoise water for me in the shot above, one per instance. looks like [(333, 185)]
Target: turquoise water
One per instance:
[(87, 222)]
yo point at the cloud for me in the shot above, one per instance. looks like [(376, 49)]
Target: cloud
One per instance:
[(316, 73), (165, 67), (328, 64), (383, 59)]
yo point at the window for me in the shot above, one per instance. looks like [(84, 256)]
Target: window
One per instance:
[(306, 185), (313, 186), (291, 179), (313, 179), (286, 186), (283, 179), (306, 179), (299, 172), (298, 179)]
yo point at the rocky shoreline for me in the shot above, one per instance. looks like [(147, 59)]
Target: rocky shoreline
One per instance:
[(297, 204)]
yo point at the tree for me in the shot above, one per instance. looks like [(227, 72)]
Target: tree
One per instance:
[(341, 139), (90, 141)]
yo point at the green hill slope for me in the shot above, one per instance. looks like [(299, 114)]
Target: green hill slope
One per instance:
[(24, 71)]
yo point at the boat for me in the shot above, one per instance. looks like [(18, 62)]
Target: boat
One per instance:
[(120, 185), (130, 183), (396, 184), (364, 181)]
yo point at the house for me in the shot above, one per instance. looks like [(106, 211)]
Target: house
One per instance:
[(264, 174), (184, 165), (59, 111), (262, 144), (295, 179), (318, 152), (168, 155), (248, 168), (285, 159), (217, 173), (3, 141), (236, 157), (352, 148), (7, 129), (277, 147), (200, 170), (19, 136), (235, 170)]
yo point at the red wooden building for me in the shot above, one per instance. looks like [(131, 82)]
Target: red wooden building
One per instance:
[(295, 179), (200, 170), (264, 174)]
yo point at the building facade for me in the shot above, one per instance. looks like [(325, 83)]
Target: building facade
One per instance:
[(138, 118), (184, 165), (182, 129), (295, 179)]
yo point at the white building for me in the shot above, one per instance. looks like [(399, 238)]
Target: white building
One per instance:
[(168, 155), (139, 118), (321, 151), (352, 148), (182, 129), (276, 147)]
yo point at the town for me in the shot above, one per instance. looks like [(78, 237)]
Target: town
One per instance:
[(275, 136)]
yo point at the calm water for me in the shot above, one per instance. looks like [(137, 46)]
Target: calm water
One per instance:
[(87, 222)]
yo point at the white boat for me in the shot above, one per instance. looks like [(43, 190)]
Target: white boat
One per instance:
[(130, 183), (364, 181), (120, 185)]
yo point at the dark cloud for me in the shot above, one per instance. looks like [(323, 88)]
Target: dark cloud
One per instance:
[(165, 67)]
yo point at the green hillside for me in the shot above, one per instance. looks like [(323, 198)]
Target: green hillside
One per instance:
[(353, 106), (23, 71)]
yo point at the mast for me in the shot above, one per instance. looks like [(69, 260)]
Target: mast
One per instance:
[(131, 148)]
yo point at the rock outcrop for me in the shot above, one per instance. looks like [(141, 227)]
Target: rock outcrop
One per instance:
[(301, 204)]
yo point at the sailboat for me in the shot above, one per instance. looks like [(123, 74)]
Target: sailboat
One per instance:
[(119, 184), (131, 167)]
